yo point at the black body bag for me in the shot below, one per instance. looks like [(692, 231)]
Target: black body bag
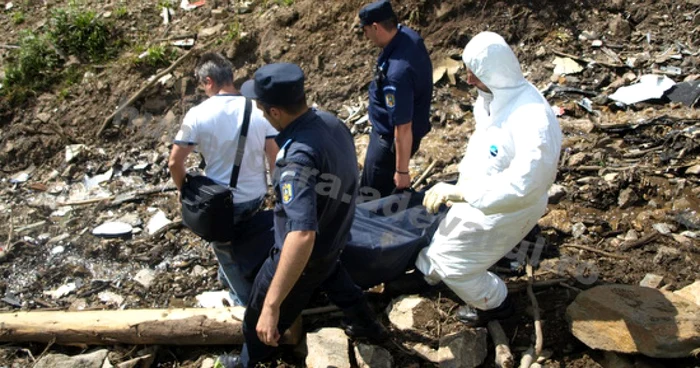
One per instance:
[(207, 207)]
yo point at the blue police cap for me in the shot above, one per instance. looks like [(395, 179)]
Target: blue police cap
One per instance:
[(376, 12), (279, 84)]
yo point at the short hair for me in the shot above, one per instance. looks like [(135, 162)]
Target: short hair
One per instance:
[(389, 24), (292, 109), (216, 67)]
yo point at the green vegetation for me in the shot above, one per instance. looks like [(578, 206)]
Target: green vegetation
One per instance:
[(18, 17), (155, 56), (233, 32), (38, 64), (121, 11), (80, 33), (34, 66)]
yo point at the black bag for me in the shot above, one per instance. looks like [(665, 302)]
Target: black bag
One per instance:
[(207, 207)]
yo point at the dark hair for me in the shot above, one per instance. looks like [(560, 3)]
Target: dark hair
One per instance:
[(389, 24), (216, 67), (291, 109)]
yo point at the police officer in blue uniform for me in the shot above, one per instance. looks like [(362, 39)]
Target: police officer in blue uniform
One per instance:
[(315, 180), (399, 100)]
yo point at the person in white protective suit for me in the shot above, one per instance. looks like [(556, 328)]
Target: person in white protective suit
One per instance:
[(509, 165)]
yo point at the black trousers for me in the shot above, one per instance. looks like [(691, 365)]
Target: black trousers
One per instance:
[(327, 274), (380, 164)]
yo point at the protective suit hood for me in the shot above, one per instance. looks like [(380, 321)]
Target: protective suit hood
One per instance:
[(505, 74)]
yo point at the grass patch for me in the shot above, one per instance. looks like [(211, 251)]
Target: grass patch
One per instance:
[(18, 17), (156, 56), (81, 33), (38, 64)]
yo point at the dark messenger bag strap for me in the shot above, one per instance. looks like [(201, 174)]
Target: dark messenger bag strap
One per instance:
[(243, 136)]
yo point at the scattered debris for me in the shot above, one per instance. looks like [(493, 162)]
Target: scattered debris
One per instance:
[(566, 66), (112, 230), (650, 86), (62, 290), (214, 299)]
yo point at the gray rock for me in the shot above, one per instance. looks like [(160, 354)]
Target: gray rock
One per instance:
[(211, 31), (690, 292), (693, 170), (145, 277), (666, 254), (651, 280), (370, 356), (631, 235), (614, 360), (411, 312), (627, 198), (578, 230), (465, 349), (330, 348), (95, 359), (556, 219), (578, 158), (634, 319), (556, 193), (662, 228), (619, 27)]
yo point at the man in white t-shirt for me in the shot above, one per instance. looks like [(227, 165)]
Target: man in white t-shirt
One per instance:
[(212, 128)]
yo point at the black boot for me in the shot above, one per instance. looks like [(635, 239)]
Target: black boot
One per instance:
[(473, 317), (406, 284), (363, 324)]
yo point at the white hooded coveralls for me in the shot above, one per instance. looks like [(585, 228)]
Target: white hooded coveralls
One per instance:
[(510, 163)]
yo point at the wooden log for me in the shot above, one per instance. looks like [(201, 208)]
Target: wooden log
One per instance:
[(191, 326), (504, 358)]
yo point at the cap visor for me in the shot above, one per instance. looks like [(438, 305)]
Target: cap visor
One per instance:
[(248, 89)]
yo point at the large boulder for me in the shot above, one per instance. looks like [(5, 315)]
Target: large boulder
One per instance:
[(411, 312), (464, 349), (634, 319), (95, 359), (328, 347)]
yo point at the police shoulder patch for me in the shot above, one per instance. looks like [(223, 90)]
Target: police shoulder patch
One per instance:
[(287, 192), (390, 97)]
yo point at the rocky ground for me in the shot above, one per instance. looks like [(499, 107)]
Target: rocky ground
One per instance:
[(626, 203)]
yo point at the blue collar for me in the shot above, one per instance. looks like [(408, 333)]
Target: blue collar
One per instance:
[(287, 132), (393, 44)]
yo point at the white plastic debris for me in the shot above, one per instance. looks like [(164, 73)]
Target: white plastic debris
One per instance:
[(62, 291), (112, 229), (214, 299), (186, 5), (566, 66), (187, 42), (650, 86), (73, 150), (157, 222), (597, 43), (19, 178), (60, 212), (164, 79), (91, 182), (166, 16), (109, 297), (9, 6)]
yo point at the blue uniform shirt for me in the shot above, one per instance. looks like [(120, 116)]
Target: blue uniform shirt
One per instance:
[(315, 181), (402, 86)]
